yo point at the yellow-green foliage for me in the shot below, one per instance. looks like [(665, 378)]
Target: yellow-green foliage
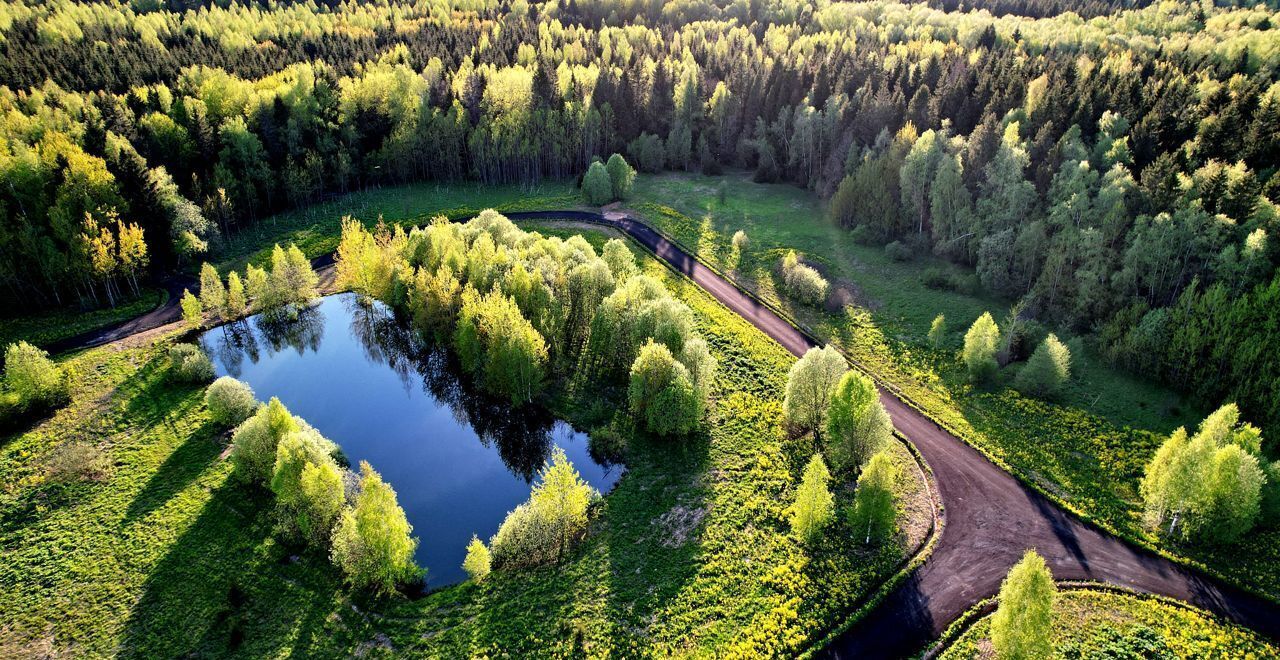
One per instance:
[(875, 504), (810, 384), (32, 377), (1022, 626), (1094, 624), (814, 506), (229, 401), (980, 348), (478, 561), (542, 529), (371, 542), (689, 555)]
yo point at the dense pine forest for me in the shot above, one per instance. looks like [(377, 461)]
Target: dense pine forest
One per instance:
[(1117, 175)]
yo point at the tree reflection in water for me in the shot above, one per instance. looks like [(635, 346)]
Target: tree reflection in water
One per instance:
[(522, 435)]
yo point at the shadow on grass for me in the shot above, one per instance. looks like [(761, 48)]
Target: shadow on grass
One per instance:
[(225, 589)]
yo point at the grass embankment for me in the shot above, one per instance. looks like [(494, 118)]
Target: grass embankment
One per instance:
[(52, 326), (1093, 624), (162, 555), (317, 229), (1089, 448)]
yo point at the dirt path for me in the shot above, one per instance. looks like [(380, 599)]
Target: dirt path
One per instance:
[(991, 518)]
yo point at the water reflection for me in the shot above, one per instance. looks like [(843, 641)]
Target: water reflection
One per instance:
[(458, 457)]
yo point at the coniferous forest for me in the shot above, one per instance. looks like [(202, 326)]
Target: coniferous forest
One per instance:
[(1107, 170)]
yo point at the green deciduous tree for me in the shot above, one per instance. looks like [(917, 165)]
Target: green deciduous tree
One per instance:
[(213, 296), (661, 394), (254, 443), (495, 340), (875, 506), (371, 542), (192, 310), (597, 188), (1022, 626), (1048, 369), (814, 505), (980, 345), (297, 518), (542, 529), (189, 364), (1208, 487), (323, 496), (810, 383), (621, 176), (801, 281), (237, 303), (858, 426)]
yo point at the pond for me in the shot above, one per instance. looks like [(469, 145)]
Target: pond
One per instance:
[(458, 459)]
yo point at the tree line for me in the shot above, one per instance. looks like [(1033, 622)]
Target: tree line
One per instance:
[(1078, 166)]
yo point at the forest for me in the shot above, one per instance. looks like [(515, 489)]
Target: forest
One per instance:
[(1116, 175)]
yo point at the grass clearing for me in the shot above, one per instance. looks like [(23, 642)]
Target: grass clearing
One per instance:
[(1089, 448), (1092, 624), (165, 556)]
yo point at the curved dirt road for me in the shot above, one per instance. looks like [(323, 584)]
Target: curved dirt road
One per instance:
[(991, 518)]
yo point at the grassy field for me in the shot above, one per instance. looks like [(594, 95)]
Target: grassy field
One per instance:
[(55, 325), (1089, 448), (1097, 624), (317, 228), (161, 555)]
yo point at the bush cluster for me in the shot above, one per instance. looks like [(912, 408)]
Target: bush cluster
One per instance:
[(189, 364), (802, 282), (32, 384)]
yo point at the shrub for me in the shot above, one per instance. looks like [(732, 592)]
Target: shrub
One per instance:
[(1047, 371), (875, 507), (254, 443), (858, 426), (802, 282), (229, 401), (597, 189), (810, 383), (1022, 626), (661, 394), (76, 461), (236, 301), (980, 344), (371, 542), (899, 251), (542, 529), (33, 379), (621, 176), (814, 503), (478, 561), (189, 364), (937, 279), (298, 517)]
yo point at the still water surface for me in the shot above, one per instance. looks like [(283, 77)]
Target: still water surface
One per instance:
[(458, 459)]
